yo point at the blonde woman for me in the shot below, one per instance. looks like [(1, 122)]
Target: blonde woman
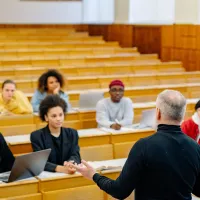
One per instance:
[(13, 101)]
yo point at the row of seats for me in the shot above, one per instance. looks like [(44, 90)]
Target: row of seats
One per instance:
[(66, 51), (82, 119), (97, 82), (65, 60), (126, 68), (140, 93), (51, 45), (135, 67)]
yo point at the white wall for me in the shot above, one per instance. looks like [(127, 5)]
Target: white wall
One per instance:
[(187, 11), (98, 11), (152, 11), (121, 11), (16, 11)]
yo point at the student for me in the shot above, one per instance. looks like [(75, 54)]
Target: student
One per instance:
[(62, 141), (51, 82), (13, 101), (164, 166), (116, 111), (191, 126), (6, 157)]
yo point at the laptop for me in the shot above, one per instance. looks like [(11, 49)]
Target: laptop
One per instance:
[(26, 166), (148, 119), (89, 100)]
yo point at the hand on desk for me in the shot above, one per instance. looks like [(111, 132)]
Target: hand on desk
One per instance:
[(85, 169), (67, 168), (115, 126), (6, 113)]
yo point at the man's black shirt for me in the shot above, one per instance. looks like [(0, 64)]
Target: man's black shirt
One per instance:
[(164, 166)]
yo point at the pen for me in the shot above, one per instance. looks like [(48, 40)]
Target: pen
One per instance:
[(117, 121)]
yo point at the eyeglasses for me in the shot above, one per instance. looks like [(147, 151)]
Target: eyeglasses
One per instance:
[(117, 91)]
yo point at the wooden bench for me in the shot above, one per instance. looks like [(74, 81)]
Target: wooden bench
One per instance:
[(97, 82), (55, 46), (53, 62), (129, 69)]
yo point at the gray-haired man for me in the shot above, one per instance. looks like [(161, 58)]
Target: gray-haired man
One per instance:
[(165, 165)]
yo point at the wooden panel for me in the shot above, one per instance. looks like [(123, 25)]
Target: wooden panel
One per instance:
[(16, 119), (64, 182), (171, 42), (27, 197), (147, 39), (167, 39), (181, 43), (17, 129), (97, 153), (121, 150), (78, 193), (94, 141), (130, 137), (19, 188), (115, 32), (21, 148)]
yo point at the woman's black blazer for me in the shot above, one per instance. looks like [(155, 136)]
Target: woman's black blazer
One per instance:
[(42, 139)]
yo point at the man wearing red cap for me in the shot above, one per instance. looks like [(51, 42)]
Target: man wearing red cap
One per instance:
[(116, 111)]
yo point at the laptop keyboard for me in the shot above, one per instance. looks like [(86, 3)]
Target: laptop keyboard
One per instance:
[(4, 176)]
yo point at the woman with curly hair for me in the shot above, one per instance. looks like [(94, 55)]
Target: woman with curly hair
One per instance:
[(51, 82), (63, 142)]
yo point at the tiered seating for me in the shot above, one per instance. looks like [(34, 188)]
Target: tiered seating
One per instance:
[(87, 63)]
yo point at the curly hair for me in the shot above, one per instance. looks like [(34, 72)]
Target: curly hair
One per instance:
[(8, 81), (42, 81), (49, 102)]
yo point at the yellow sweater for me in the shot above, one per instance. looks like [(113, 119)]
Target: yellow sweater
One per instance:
[(19, 104)]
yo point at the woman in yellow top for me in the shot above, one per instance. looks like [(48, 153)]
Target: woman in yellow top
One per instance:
[(13, 101)]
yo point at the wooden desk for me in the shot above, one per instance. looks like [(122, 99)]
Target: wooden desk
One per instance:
[(90, 141), (20, 188), (93, 137), (58, 181), (79, 193), (89, 137), (124, 141), (19, 144), (75, 186), (88, 118), (16, 120), (130, 136), (62, 181)]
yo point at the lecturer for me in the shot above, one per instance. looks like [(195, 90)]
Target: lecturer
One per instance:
[(165, 165)]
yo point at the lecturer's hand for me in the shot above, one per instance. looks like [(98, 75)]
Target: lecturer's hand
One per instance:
[(85, 169)]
